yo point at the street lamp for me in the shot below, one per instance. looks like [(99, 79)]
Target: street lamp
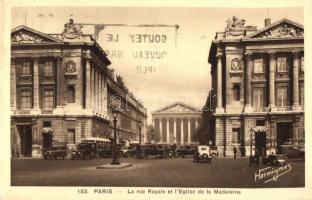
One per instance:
[(115, 158), (140, 124)]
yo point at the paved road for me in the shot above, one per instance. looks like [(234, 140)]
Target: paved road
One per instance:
[(222, 172)]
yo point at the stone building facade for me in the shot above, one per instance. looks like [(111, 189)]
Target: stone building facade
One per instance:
[(176, 124), (60, 91), (257, 95)]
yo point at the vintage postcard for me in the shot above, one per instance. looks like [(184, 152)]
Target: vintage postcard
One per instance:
[(156, 101)]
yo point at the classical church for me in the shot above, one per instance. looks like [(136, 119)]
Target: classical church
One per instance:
[(176, 123), (257, 95)]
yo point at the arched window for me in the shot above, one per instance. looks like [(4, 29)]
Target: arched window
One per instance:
[(71, 94)]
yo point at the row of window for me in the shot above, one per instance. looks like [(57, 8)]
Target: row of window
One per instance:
[(282, 97), (71, 133), (48, 97), (236, 132), (282, 65), (258, 95), (46, 68)]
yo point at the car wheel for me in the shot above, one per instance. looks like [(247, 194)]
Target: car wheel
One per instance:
[(125, 155), (205, 158)]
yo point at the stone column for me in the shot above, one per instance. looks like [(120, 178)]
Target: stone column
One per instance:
[(182, 131), (36, 88), (96, 95), (248, 76), (296, 64), (105, 101), (154, 128), (219, 108), (160, 130), (196, 123), (167, 130), (92, 86), (88, 84), (13, 85), (174, 130), (60, 87), (272, 81), (101, 92), (188, 130)]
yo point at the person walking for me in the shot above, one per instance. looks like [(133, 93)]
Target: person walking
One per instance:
[(235, 152)]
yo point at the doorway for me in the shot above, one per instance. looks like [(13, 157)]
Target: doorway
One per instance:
[(46, 141), (260, 143), (25, 134), (283, 132)]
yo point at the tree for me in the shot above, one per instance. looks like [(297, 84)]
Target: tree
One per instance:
[(201, 135)]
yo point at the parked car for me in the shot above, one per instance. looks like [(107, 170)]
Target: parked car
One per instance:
[(214, 151), (202, 154), (186, 150), (155, 150), (291, 151), (128, 151), (84, 151), (274, 160), (56, 152)]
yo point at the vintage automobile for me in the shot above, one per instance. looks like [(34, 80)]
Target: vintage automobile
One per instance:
[(84, 151), (128, 151), (274, 160), (214, 151), (291, 151), (56, 152), (202, 154), (154, 150), (186, 150)]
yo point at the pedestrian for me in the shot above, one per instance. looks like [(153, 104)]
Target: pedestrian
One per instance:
[(235, 152)]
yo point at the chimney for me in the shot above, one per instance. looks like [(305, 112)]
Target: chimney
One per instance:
[(267, 22)]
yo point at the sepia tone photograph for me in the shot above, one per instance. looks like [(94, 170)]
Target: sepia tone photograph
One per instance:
[(170, 99)]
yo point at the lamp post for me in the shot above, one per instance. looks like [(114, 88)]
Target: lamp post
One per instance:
[(115, 158), (250, 155), (140, 126)]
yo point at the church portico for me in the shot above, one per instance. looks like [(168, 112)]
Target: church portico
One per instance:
[(176, 123)]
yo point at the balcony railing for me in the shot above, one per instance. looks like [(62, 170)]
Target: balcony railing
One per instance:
[(46, 111), (261, 109), (22, 112), (283, 108)]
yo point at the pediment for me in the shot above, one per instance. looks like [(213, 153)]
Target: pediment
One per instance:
[(178, 108), (24, 34), (281, 29)]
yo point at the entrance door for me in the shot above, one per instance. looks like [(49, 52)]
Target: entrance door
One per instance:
[(283, 132), (25, 134), (46, 141), (260, 143)]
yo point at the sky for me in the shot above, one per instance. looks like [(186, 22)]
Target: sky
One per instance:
[(184, 73)]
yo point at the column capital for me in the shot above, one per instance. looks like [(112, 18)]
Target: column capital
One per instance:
[(219, 54), (272, 55), (59, 59), (248, 55), (296, 54)]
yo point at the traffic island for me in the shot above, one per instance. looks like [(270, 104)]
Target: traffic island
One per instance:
[(110, 166)]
